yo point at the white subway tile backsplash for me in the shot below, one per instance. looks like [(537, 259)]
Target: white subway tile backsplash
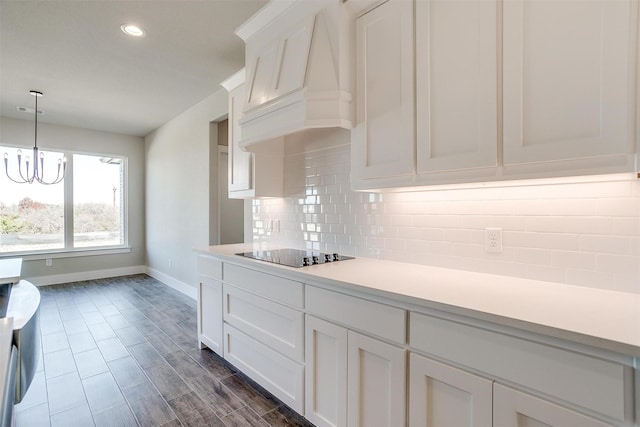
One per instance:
[(619, 245), (626, 226), (554, 224), (625, 265), (589, 225), (529, 256), (626, 282), (627, 207), (593, 279), (568, 259), (585, 234)]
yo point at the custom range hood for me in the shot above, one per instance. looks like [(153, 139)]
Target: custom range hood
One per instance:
[(298, 70)]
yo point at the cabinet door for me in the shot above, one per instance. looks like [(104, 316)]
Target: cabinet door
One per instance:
[(456, 84), (443, 396), (512, 408), (376, 383), (210, 313), (240, 162), (325, 373), (384, 139), (567, 79)]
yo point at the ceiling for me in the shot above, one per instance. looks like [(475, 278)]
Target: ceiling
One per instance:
[(93, 76)]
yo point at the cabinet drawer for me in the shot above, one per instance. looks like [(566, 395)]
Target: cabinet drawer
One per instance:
[(273, 324), (591, 383), (281, 376), (513, 407), (210, 267), (275, 288), (376, 319)]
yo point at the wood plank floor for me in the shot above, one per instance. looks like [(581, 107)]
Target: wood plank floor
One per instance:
[(123, 352)]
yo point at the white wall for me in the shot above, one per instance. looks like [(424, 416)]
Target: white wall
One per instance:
[(178, 185), (582, 234), (20, 132)]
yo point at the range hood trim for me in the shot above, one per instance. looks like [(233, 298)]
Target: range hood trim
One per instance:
[(320, 101), (291, 113)]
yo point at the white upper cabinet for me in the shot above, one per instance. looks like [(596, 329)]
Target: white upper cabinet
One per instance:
[(384, 136), (456, 68), (504, 90), (568, 79), (240, 162), (251, 174)]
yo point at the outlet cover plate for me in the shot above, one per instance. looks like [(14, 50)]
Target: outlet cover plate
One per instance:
[(493, 239)]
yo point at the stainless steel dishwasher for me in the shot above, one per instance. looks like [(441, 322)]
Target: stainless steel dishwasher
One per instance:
[(24, 309)]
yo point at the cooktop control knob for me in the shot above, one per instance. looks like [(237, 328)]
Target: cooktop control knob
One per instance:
[(305, 261), (336, 257), (327, 258)]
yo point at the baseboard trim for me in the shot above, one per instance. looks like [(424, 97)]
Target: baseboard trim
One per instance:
[(176, 284), (86, 275)]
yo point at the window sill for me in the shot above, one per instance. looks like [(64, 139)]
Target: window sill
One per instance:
[(80, 252)]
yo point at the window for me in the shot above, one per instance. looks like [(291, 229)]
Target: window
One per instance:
[(85, 211)]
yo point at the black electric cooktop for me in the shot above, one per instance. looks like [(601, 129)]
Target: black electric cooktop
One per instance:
[(295, 257)]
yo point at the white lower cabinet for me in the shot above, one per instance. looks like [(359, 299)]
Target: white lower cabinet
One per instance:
[(443, 396), (280, 375), (376, 383), (345, 359), (210, 303), (273, 324), (325, 373), (565, 387), (513, 408), (210, 310), (352, 379), (264, 331)]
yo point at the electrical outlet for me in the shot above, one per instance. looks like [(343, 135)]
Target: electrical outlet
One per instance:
[(48, 262), (493, 239)]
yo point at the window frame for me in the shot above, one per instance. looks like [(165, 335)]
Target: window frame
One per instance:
[(69, 251)]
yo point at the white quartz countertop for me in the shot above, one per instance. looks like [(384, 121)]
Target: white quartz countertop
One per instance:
[(10, 270), (596, 317)]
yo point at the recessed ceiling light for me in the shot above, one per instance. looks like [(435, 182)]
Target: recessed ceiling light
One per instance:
[(133, 30)]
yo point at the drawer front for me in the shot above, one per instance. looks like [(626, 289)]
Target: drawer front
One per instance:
[(591, 383), (273, 324), (371, 317), (281, 376), (210, 267), (275, 288), (512, 407)]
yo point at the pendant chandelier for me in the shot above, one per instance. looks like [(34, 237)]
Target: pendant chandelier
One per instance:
[(37, 174)]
